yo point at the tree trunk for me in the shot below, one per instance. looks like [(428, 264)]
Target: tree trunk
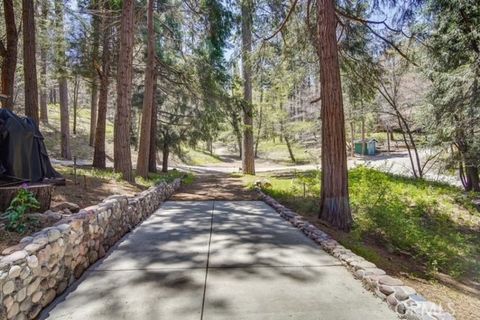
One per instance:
[(402, 122), (42, 192), (414, 171), (290, 152), (260, 120), (388, 140), (152, 159), (76, 85), (53, 95), (64, 119), (238, 133), (146, 130), (62, 82), (352, 133), (94, 72), (165, 154), (287, 142), (29, 60), (248, 156), (43, 61), (43, 89), (9, 54), (364, 145), (334, 200), (99, 145), (122, 152), (472, 178), (93, 110)]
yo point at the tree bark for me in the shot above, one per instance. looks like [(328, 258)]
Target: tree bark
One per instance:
[(99, 136), (145, 132), (165, 154), (248, 156), (64, 119), (43, 61), (76, 85), (287, 142), (260, 120), (122, 152), (388, 139), (290, 152), (94, 74), (93, 110), (472, 178), (236, 129), (62, 82), (334, 199), (352, 133), (43, 87), (364, 145), (42, 192), (152, 159), (29, 60), (9, 54)]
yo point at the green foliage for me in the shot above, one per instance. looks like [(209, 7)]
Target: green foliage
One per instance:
[(452, 64), (21, 204), (198, 157), (423, 219)]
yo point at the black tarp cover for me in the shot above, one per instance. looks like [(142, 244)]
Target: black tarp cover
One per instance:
[(22, 151)]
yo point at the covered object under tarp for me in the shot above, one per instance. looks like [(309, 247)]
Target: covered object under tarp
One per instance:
[(23, 156)]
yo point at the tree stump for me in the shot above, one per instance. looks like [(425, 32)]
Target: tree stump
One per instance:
[(42, 192)]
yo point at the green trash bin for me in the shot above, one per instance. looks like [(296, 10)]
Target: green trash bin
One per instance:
[(370, 147)]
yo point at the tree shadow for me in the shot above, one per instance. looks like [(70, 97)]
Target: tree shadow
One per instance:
[(158, 271)]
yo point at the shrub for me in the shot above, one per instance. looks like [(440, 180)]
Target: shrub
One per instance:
[(414, 217), (22, 203)]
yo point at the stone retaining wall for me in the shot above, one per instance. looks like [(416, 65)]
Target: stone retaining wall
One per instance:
[(404, 300), (43, 265)]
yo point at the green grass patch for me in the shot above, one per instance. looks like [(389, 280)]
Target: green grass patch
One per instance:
[(278, 151), (198, 157), (436, 224)]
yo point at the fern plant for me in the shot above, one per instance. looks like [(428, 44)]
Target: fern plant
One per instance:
[(23, 201)]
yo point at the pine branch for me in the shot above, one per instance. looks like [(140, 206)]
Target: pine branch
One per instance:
[(367, 23), (393, 45), (282, 25)]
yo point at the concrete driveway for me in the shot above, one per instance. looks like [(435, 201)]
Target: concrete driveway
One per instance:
[(217, 260)]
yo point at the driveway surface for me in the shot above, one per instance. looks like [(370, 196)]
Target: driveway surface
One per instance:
[(217, 260)]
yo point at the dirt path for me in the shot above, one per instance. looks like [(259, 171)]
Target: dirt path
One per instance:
[(215, 186)]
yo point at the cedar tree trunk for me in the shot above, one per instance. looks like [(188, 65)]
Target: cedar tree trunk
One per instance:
[(99, 145), (152, 159), (122, 152), (145, 131), (334, 199), (248, 155), (30, 60), (62, 82), (9, 54), (43, 62), (94, 71)]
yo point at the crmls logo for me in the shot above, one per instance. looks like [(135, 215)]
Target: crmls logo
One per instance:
[(431, 309)]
